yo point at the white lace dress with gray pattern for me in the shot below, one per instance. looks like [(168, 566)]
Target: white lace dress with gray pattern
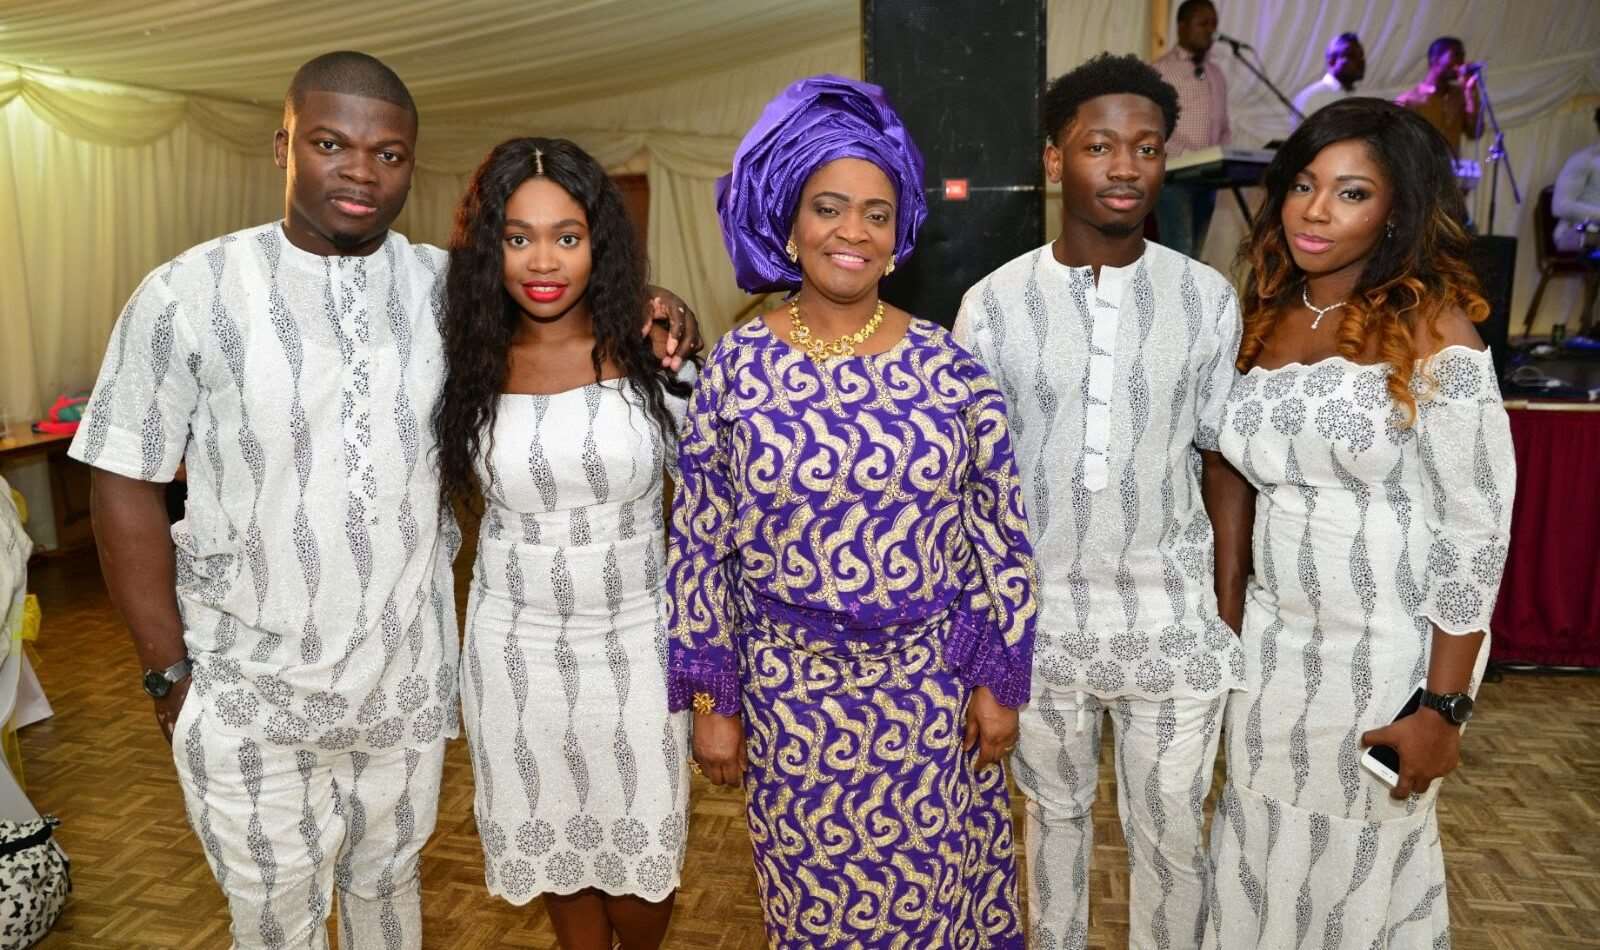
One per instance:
[(1368, 532), (581, 772)]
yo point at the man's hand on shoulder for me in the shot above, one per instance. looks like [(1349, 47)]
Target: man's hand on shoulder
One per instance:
[(671, 325)]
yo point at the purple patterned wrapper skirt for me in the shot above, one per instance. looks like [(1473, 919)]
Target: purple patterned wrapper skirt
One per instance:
[(871, 825)]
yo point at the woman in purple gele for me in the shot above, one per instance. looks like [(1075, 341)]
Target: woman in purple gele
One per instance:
[(849, 575)]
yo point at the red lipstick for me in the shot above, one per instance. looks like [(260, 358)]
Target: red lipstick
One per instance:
[(544, 291)]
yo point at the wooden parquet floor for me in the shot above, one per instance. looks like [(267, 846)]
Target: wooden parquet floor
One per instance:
[(1520, 821)]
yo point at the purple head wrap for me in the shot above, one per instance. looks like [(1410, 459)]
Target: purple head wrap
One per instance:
[(811, 123)]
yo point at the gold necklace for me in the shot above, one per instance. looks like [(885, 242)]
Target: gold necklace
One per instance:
[(819, 350)]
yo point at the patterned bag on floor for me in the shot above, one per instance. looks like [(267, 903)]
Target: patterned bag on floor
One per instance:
[(34, 881)]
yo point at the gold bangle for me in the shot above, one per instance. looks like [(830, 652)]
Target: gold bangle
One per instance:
[(704, 703)]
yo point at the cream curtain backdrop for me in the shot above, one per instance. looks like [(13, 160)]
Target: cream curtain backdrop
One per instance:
[(87, 210), (102, 181)]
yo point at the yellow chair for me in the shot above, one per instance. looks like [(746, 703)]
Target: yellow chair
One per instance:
[(26, 632)]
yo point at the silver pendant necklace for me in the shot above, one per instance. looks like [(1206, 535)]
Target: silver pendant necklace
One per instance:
[(1305, 298)]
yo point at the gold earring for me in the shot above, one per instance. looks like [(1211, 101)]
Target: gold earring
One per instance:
[(890, 269), (792, 251)]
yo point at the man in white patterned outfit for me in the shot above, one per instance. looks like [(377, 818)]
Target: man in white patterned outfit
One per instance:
[(293, 367), (1115, 357)]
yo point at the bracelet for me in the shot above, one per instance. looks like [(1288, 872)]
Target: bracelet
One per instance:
[(704, 703)]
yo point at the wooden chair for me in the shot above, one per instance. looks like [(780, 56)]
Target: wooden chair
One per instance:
[(1555, 263)]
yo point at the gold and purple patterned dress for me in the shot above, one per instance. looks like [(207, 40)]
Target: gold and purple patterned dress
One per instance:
[(849, 559)]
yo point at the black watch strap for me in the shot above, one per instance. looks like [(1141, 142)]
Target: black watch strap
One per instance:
[(1455, 707)]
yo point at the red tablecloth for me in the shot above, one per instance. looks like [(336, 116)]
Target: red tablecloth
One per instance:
[(1549, 607)]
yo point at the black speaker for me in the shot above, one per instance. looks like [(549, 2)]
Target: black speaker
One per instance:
[(966, 78), (1494, 260)]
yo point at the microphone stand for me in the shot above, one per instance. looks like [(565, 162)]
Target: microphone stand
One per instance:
[(1497, 153), (1299, 116)]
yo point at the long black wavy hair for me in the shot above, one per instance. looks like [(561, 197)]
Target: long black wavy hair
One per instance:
[(481, 319)]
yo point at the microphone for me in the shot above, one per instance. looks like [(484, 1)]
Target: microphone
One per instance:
[(1236, 44), (1471, 68)]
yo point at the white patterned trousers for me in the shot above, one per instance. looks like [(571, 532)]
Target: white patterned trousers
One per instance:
[(282, 828), (1164, 757)]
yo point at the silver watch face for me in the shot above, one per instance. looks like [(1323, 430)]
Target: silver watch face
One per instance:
[(1460, 709), (156, 685)]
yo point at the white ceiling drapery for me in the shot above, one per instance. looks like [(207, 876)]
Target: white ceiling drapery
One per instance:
[(472, 59)]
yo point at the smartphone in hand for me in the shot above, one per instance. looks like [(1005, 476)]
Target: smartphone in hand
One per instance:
[(1384, 761)]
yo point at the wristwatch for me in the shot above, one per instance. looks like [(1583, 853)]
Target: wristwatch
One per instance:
[(1455, 707), (158, 683)]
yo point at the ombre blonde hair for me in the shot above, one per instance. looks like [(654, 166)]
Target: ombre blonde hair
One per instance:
[(1417, 273)]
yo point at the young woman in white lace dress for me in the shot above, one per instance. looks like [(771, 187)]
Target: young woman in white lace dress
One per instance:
[(1369, 420), (558, 409)]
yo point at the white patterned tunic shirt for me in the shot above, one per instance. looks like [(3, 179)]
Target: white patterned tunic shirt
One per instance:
[(313, 568), (1111, 391)]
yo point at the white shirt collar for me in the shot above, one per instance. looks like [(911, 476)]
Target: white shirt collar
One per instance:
[(1112, 278)]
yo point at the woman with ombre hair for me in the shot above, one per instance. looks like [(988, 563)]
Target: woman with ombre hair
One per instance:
[(1369, 420)]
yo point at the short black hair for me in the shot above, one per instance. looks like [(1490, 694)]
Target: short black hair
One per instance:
[(1443, 45), (1106, 75), (348, 73), (1188, 6), (1339, 42)]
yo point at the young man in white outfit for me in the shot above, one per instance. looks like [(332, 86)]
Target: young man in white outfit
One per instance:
[(1116, 356)]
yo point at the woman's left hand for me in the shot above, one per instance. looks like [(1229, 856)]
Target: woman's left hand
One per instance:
[(1429, 747), (991, 726), (671, 326)]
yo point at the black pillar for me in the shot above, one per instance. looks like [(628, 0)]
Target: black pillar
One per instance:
[(966, 77), (1494, 260)]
